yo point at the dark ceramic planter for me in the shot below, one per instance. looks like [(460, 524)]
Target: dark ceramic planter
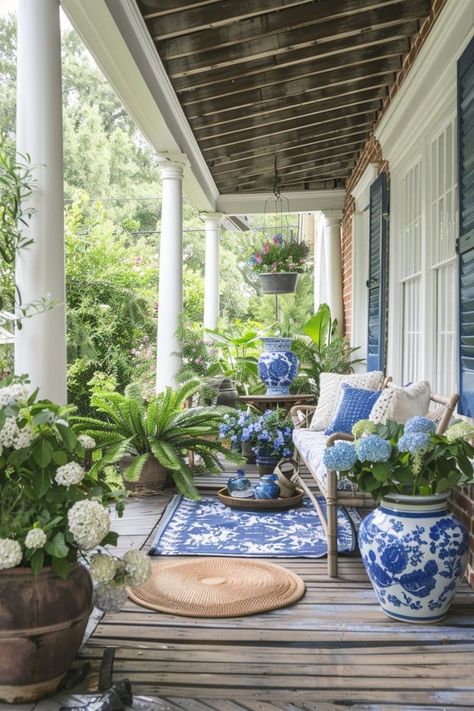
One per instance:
[(42, 623), (278, 282), (266, 462), (247, 451), (153, 477)]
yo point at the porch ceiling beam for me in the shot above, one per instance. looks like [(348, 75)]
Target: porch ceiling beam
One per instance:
[(163, 7), (307, 102), (313, 159), (324, 123), (197, 104), (339, 169), (300, 201), (288, 27), (286, 57), (116, 35), (284, 171), (204, 72), (291, 118), (341, 131), (205, 17)]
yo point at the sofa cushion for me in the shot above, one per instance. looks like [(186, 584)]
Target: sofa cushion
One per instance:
[(399, 404), (329, 391), (311, 445), (354, 404)]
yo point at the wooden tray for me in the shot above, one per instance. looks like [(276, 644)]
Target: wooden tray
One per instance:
[(259, 504)]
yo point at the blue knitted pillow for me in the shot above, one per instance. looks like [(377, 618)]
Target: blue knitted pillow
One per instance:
[(354, 404)]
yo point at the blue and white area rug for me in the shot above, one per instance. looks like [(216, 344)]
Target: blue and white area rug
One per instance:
[(207, 527)]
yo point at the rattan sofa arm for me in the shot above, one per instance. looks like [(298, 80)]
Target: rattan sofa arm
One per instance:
[(332, 439), (306, 410)]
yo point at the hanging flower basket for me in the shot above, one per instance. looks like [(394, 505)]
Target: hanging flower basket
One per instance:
[(278, 282)]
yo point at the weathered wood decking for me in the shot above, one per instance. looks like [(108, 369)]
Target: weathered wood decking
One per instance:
[(332, 650)]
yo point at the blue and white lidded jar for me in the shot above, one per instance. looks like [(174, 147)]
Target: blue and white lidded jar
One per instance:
[(239, 486), (267, 488)]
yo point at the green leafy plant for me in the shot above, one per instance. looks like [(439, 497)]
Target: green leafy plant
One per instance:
[(237, 359), (54, 506), (321, 350), (408, 459), (160, 428)]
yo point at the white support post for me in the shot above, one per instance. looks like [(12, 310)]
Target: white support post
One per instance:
[(40, 345), (212, 222), (170, 298), (332, 253)]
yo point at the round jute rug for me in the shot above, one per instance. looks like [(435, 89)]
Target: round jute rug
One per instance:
[(217, 587)]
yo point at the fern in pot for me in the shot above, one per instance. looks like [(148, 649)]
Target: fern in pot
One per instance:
[(158, 436)]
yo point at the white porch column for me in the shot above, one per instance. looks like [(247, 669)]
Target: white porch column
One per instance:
[(40, 345), (212, 222), (170, 297), (332, 253)]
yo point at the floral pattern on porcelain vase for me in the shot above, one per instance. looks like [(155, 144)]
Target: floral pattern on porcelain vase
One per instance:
[(415, 553), (278, 365)]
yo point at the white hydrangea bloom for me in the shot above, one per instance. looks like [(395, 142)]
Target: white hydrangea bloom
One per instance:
[(89, 523), (9, 432), (103, 568), (86, 441), (110, 597), (13, 394), (24, 437), (69, 474), (10, 553), (137, 566), (35, 538)]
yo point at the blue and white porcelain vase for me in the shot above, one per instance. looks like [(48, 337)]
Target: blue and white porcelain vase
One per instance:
[(239, 486), (415, 553), (278, 365), (267, 488), (266, 460)]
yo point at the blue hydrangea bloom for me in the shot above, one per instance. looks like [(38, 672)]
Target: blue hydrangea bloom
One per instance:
[(341, 457), (420, 424), (373, 449), (414, 442)]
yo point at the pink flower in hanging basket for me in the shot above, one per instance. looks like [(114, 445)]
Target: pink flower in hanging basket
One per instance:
[(266, 247), (258, 258)]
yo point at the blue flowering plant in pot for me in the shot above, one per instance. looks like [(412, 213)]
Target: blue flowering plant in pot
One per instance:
[(272, 434), (414, 549), (238, 431)]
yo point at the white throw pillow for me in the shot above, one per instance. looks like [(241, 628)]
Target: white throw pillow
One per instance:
[(329, 391), (399, 404)]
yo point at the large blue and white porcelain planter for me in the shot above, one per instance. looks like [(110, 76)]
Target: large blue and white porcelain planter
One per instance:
[(278, 365), (415, 553)]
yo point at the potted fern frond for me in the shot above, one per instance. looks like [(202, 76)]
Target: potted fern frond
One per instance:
[(158, 434)]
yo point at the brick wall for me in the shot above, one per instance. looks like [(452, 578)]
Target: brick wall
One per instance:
[(461, 504)]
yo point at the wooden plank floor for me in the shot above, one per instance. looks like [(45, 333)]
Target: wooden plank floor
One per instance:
[(332, 650)]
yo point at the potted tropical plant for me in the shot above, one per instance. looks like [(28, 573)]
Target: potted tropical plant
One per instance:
[(278, 264), (414, 550), (236, 361), (321, 350), (54, 511), (158, 436)]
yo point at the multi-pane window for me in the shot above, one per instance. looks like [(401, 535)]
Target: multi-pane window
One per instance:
[(410, 272), (443, 233)]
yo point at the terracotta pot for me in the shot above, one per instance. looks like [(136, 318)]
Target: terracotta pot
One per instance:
[(42, 623), (153, 477)]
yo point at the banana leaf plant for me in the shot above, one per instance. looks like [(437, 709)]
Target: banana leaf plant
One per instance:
[(321, 350), (160, 428)]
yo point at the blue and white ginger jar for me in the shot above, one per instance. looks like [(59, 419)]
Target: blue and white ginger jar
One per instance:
[(278, 365), (267, 488), (415, 553)]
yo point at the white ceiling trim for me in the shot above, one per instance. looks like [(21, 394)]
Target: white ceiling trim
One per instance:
[(298, 201)]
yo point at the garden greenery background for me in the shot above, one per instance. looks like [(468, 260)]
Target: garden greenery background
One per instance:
[(112, 213)]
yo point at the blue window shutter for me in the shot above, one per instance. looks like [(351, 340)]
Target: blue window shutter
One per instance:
[(465, 245), (377, 282)]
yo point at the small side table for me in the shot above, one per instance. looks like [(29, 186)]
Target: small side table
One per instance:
[(271, 402)]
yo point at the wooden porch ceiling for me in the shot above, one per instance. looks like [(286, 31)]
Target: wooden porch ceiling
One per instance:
[(299, 80)]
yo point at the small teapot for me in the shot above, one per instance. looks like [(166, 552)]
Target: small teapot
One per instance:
[(267, 488)]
